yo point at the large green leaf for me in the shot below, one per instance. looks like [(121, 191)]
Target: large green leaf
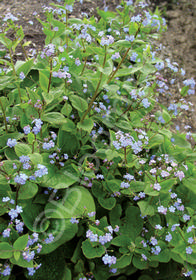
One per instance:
[(86, 125), (25, 67), (6, 250), (53, 267), (21, 261), (27, 191), (107, 203), (67, 142), (21, 242), (133, 223), (61, 179), (75, 200), (14, 135), (34, 217), (190, 183), (54, 118), (62, 230), (145, 208), (22, 149), (79, 103), (44, 81), (123, 261), (91, 251)]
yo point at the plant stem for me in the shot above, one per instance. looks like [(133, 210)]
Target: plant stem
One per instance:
[(66, 29), (123, 58), (85, 61), (24, 51), (96, 94), (15, 75), (17, 191), (50, 78), (4, 117)]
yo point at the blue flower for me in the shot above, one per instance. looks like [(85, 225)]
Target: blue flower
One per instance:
[(189, 250), (146, 103), (6, 233), (11, 142), (49, 239), (43, 170), (168, 237), (22, 76), (7, 271)]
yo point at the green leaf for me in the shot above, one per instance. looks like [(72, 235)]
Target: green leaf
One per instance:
[(22, 149), (133, 223), (4, 138), (6, 250), (123, 261), (34, 217), (53, 267), (27, 191), (68, 274), (62, 230), (68, 142), (61, 179), (127, 71), (180, 141), (16, 255), (79, 103), (155, 141), (25, 67), (135, 186), (121, 241), (139, 263), (190, 183), (54, 118), (107, 203), (184, 90), (66, 110), (145, 208), (21, 262), (86, 125), (44, 81), (4, 103), (167, 185), (5, 190), (92, 252), (75, 200), (68, 125), (21, 242), (36, 158)]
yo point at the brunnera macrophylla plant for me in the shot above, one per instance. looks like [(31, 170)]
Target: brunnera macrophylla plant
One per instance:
[(94, 182)]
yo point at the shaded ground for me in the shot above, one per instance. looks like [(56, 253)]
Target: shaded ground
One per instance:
[(179, 40)]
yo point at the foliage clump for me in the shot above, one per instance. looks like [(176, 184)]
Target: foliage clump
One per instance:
[(94, 181)]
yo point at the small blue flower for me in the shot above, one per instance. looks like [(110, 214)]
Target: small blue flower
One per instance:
[(74, 221), (6, 233), (189, 250), (43, 170), (146, 103), (22, 76), (11, 142), (49, 239), (7, 271), (21, 179), (168, 237)]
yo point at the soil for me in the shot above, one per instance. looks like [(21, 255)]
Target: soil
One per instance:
[(179, 40)]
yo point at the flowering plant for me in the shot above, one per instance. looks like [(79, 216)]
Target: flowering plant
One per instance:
[(94, 182)]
